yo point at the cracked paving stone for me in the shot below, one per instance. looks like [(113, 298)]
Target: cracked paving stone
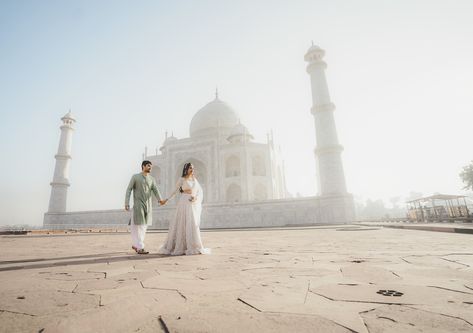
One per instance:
[(368, 293), (192, 283), (309, 272), (103, 284), (443, 278), (123, 316), (220, 273), (369, 273), (396, 318), (31, 282), (66, 275), (137, 275), (457, 309), (208, 322), (19, 323), (465, 259), (297, 299), (112, 269), (150, 326), (43, 302), (163, 300), (433, 261)]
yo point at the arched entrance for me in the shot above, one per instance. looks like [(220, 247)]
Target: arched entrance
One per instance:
[(233, 193)]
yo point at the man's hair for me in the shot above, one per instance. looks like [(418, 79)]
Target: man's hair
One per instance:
[(145, 163)]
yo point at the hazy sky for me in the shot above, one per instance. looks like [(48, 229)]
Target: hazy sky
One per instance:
[(400, 74)]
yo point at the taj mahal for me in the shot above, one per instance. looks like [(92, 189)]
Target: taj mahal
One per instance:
[(231, 167), (243, 180)]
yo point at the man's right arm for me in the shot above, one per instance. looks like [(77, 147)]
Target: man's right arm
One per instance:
[(130, 187)]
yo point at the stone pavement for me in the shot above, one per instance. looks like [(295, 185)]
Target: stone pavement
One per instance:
[(346, 278)]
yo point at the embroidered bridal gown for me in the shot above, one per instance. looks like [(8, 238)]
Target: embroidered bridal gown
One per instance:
[(184, 232)]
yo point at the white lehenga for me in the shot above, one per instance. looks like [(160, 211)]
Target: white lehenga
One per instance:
[(184, 232)]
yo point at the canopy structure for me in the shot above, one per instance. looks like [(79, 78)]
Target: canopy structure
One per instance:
[(439, 207)]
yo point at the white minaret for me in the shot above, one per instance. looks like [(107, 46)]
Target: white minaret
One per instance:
[(60, 183), (331, 178)]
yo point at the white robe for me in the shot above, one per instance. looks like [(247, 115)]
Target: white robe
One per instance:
[(184, 232)]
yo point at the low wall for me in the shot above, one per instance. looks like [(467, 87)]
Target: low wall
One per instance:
[(271, 213)]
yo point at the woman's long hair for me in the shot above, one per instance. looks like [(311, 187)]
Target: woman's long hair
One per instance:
[(185, 170)]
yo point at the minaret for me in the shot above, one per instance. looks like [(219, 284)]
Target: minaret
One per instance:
[(60, 183), (331, 178)]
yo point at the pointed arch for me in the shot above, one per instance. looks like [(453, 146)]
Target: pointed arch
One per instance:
[(232, 166), (233, 193)]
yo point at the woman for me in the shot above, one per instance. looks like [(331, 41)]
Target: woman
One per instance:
[(184, 233)]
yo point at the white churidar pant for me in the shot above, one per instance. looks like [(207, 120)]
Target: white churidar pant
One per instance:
[(138, 233)]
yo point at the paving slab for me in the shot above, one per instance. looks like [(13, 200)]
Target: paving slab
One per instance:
[(388, 293), (45, 302), (395, 318)]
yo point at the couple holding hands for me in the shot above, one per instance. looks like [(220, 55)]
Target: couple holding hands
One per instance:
[(184, 230)]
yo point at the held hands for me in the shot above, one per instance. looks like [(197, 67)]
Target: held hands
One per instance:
[(127, 207), (163, 202)]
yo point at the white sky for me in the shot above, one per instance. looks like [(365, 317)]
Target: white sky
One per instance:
[(400, 74)]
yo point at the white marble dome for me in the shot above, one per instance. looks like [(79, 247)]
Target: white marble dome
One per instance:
[(240, 133), (213, 115)]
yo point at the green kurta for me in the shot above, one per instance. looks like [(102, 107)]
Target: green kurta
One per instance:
[(143, 187)]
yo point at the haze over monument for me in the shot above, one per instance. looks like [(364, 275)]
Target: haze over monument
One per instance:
[(400, 76)]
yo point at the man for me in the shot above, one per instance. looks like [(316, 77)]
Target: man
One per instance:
[(143, 186)]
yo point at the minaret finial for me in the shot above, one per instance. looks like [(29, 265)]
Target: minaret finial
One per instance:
[(312, 42), (216, 92)]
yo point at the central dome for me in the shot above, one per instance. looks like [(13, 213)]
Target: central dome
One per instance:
[(216, 114)]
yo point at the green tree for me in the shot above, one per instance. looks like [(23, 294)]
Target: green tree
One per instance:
[(467, 176)]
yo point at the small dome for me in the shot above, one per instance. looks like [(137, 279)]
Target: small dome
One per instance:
[(212, 116), (314, 48), (169, 139), (240, 133), (68, 116), (240, 129), (314, 52)]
